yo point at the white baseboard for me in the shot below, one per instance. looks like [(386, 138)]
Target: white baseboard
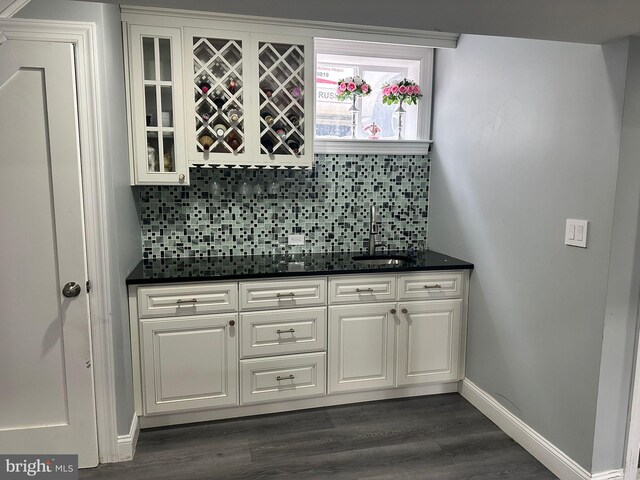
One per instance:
[(127, 443), (610, 475), (563, 466)]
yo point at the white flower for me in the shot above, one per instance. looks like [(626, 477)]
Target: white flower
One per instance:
[(357, 80)]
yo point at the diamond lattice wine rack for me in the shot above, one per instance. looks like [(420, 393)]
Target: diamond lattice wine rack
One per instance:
[(281, 97), (218, 89)]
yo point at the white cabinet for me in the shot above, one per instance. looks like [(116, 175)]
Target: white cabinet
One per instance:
[(361, 347), (225, 349), (428, 341), (189, 362), (380, 345), (249, 98), (200, 93), (156, 117)]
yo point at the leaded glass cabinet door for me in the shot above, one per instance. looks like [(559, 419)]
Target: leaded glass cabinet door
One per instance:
[(157, 116), (283, 85), (217, 96)]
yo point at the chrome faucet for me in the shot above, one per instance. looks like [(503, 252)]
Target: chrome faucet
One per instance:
[(373, 231)]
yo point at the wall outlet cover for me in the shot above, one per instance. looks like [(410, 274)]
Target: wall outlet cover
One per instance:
[(296, 239)]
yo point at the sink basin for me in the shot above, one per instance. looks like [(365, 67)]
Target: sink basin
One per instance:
[(383, 259)]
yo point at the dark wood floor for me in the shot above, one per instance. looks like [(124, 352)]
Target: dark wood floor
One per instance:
[(435, 437)]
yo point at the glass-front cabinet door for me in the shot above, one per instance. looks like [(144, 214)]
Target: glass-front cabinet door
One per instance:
[(217, 97), (157, 114), (283, 88)]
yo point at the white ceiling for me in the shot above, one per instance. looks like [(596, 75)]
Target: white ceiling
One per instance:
[(586, 21)]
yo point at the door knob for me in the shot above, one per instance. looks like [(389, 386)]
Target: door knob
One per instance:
[(232, 323), (393, 311), (405, 311), (71, 289)]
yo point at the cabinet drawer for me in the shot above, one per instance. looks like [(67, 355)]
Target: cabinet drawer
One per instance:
[(281, 378), (277, 332), (283, 294), (187, 300), (370, 288), (423, 286)]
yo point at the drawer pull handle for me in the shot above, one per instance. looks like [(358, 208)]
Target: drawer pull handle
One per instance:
[(290, 294), (290, 377), (291, 330), (193, 300), (437, 285), (405, 311), (364, 290)]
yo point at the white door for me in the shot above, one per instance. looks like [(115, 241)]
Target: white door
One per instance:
[(428, 341), (46, 379), (362, 346)]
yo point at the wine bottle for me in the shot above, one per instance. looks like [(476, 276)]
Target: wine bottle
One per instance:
[(295, 92), (233, 140), (268, 118), (281, 132), (294, 119), (268, 91), (219, 130), (233, 85), (234, 116), (206, 141), (206, 111), (294, 146), (203, 84), (267, 144), (218, 99)]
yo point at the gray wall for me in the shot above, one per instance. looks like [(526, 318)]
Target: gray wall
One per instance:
[(624, 284), (526, 135), (122, 220)]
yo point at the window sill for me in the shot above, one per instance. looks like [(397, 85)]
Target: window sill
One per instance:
[(373, 147)]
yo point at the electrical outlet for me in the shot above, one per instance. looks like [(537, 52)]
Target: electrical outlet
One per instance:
[(296, 239)]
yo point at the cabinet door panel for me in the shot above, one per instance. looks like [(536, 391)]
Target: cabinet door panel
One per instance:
[(428, 341), (188, 363), (361, 345), (217, 94), (157, 109)]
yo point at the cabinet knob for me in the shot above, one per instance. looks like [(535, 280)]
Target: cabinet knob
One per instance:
[(181, 177), (232, 323), (405, 311), (393, 311)]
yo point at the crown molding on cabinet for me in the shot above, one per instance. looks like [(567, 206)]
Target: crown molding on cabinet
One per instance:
[(344, 31), (13, 8)]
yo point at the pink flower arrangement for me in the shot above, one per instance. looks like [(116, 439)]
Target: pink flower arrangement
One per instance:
[(405, 90), (352, 86)]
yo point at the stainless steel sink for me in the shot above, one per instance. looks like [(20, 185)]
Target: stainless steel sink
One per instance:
[(383, 259)]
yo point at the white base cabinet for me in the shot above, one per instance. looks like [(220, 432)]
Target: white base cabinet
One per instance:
[(208, 350), (189, 362), (361, 346), (428, 345)]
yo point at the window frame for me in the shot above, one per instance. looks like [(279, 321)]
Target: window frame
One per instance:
[(382, 50)]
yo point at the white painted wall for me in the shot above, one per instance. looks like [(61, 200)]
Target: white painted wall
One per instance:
[(526, 135), (123, 225), (624, 284)]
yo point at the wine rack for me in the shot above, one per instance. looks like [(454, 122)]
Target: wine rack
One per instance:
[(281, 98), (218, 91)]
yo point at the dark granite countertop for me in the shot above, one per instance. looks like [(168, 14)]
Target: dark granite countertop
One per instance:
[(195, 269)]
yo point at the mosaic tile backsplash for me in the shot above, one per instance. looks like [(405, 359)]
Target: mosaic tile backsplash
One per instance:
[(252, 212)]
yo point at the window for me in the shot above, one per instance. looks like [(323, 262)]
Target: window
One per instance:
[(377, 64)]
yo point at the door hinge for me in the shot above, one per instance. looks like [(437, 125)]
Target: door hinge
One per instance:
[(88, 286)]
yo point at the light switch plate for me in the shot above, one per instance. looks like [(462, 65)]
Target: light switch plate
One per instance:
[(296, 239), (575, 233)]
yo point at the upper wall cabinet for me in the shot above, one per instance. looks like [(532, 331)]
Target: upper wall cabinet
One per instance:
[(155, 99), (248, 99)]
